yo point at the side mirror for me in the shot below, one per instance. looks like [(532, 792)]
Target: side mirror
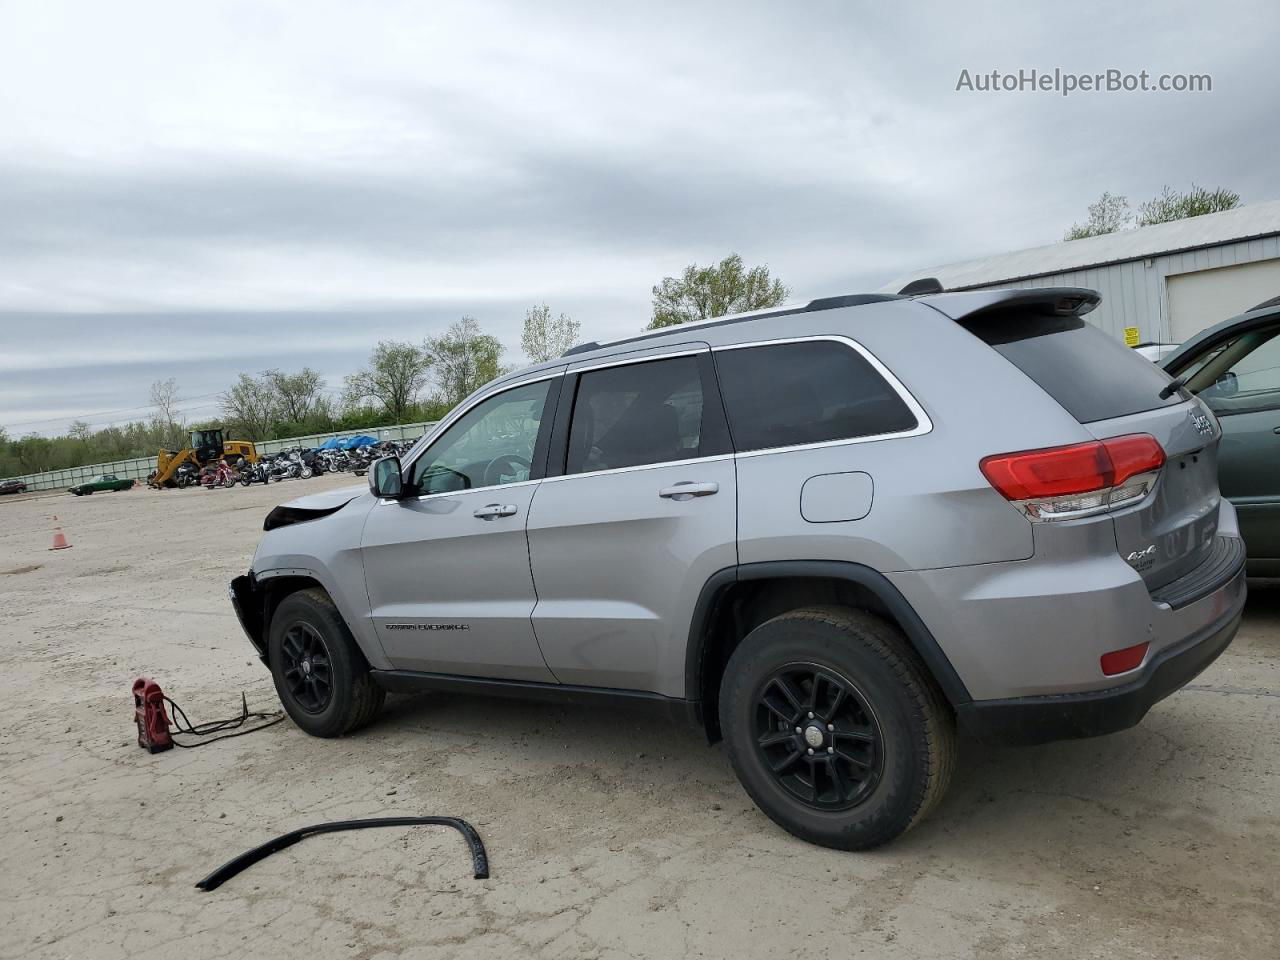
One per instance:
[(384, 479)]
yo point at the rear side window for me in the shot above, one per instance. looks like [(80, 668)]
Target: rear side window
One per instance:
[(631, 415), (1091, 374), (786, 394)]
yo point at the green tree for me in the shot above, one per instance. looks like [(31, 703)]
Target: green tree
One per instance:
[(463, 359), (395, 376), (546, 337), (1107, 215), (299, 396), (249, 407), (1172, 205), (704, 292)]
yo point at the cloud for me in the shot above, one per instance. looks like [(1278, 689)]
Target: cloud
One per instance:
[(393, 165)]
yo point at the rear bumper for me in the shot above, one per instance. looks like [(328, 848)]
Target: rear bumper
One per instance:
[(1031, 720)]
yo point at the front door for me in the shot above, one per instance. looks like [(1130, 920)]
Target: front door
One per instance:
[(641, 514), (447, 568)]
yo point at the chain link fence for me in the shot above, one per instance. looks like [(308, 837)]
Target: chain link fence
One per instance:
[(141, 467)]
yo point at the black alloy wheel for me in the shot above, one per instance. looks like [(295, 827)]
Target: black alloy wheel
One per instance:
[(818, 736), (307, 668)]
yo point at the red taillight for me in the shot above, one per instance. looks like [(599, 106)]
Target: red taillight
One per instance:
[(1122, 661), (1075, 469)]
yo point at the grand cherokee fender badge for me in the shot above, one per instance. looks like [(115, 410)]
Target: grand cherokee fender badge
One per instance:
[(426, 626), (1201, 423)]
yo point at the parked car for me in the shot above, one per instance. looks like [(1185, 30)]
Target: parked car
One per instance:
[(12, 486), (108, 481), (1234, 368), (834, 535), (1155, 352)]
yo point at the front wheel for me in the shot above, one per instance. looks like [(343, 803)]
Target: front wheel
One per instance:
[(835, 728), (320, 674)]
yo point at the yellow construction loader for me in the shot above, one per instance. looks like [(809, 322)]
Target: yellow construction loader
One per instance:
[(207, 446)]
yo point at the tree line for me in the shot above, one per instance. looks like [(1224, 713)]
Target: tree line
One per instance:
[(402, 382), (407, 382)]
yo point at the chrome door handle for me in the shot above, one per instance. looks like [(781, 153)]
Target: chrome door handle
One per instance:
[(687, 490), (494, 510)]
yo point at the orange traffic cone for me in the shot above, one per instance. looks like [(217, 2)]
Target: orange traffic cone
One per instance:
[(59, 539)]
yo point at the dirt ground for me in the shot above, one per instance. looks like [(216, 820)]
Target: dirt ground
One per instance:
[(609, 836)]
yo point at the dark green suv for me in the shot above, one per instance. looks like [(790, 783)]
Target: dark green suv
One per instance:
[(1234, 368)]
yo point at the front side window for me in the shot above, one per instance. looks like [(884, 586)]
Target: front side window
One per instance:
[(627, 416), (1245, 374), (489, 445), (813, 391)]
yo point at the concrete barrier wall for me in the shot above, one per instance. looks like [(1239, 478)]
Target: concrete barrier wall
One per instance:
[(141, 467)]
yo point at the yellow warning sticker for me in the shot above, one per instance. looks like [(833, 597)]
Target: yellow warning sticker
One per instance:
[(1131, 336)]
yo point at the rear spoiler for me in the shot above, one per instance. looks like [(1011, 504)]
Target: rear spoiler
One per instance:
[(1047, 301)]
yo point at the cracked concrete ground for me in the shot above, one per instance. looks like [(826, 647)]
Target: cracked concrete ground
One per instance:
[(610, 835)]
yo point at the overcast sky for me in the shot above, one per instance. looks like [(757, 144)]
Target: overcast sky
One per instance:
[(195, 189)]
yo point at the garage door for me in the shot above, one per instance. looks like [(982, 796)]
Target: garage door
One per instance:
[(1201, 299)]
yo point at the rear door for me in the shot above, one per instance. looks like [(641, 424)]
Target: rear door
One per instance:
[(1237, 375), (636, 513)]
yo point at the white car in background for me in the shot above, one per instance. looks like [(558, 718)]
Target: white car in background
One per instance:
[(1156, 352)]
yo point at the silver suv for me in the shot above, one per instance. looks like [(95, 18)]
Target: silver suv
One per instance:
[(831, 534)]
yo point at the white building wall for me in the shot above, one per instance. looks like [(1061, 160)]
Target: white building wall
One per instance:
[(1134, 293)]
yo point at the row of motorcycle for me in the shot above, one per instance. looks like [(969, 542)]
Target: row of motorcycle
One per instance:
[(297, 464)]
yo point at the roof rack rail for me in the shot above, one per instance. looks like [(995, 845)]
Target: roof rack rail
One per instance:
[(822, 303)]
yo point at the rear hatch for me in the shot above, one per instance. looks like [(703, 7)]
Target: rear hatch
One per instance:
[(1112, 391)]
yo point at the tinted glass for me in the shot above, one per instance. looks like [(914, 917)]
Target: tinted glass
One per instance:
[(1252, 380), (1090, 373), (780, 395), (636, 414), (491, 444)]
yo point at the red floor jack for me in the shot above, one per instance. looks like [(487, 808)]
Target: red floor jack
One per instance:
[(148, 713)]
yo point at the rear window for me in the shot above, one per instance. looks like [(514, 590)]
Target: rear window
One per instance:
[(1091, 374), (786, 394)]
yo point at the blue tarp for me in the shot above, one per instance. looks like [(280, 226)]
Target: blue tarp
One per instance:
[(362, 440), (333, 443)]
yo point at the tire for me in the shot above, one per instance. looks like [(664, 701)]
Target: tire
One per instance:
[(305, 473), (308, 623), (890, 757)]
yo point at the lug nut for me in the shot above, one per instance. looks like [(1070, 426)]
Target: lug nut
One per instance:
[(811, 751), (811, 716), (798, 730), (831, 726), (831, 749)]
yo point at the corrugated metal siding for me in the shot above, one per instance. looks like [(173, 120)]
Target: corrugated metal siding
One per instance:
[(1133, 293)]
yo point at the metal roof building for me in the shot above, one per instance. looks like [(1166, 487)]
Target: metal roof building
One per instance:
[(1169, 281)]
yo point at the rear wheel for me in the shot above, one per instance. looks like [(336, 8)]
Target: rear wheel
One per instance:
[(834, 727), (320, 674)]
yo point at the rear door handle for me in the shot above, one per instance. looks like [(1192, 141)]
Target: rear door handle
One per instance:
[(687, 490), (494, 510)]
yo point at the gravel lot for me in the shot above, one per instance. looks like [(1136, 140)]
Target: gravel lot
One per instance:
[(609, 835)]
